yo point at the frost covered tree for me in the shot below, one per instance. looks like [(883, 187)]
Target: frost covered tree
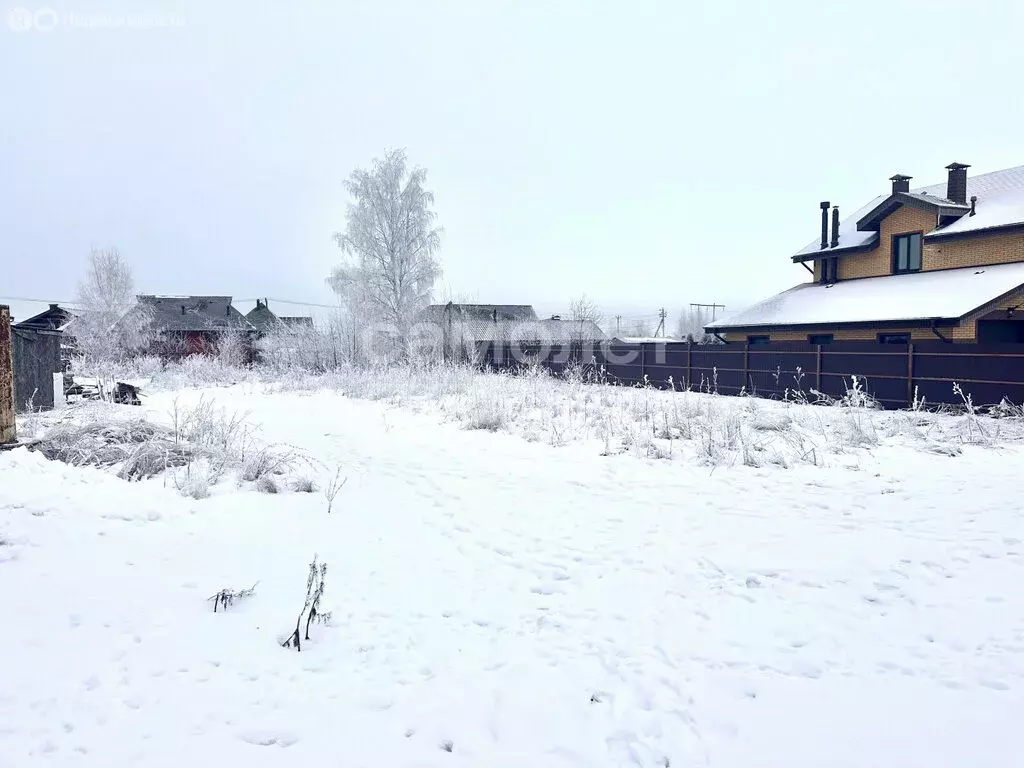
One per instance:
[(109, 325), (640, 328), (391, 242), (690, 326), (582, 312)]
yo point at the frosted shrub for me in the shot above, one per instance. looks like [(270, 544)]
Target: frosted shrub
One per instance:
[(195, 479)]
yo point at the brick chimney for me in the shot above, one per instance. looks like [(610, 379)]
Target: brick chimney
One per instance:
[(824, 223), (900, 183), (956, 187)]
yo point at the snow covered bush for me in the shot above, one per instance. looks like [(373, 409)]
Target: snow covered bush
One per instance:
[(197, 446)]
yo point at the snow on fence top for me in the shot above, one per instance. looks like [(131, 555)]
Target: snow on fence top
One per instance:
[(948, 293)]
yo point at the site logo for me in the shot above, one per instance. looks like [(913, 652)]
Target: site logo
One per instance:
[(47, 19), (24, 20)]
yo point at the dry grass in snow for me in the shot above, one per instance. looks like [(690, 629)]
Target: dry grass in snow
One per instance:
[(696, 427)]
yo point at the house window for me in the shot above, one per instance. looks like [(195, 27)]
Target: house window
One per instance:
[(819, 338), (906, 253), (829, 269), (757, 339), (894, 338)]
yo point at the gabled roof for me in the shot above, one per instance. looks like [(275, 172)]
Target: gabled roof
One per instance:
[(559, 330), (942, 207), (194, 313), (940, 294), (261, 317), (480, 322), (1000, 204), (486, 312)]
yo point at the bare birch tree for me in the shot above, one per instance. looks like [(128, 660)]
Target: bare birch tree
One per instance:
[(584, 311), (690, 326), (109, 325), (391, 242)]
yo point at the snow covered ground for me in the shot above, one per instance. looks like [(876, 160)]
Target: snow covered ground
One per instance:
[(500, 601)]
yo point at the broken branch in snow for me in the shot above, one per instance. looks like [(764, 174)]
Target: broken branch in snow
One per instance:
[(333, 487), (227, 597)]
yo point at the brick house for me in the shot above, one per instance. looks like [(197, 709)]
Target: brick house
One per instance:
[(940, 262)]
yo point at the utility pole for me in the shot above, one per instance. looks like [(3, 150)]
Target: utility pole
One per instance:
[(662, 314), (712, 307), (618, 321)]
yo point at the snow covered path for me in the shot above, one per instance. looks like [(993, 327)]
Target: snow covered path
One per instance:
[(502, 603)]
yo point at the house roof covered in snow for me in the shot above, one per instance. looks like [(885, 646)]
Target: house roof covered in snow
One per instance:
[(261, 317), (194, 313), (56, 318), (1000, 203), (480, 322), (919, 296)]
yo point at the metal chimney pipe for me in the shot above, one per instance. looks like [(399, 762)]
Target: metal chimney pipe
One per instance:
[(825, 205), (835, 226)]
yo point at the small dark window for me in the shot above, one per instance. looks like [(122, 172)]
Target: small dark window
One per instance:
[(894, 338), (829, 270), (906, 253), (757, 339), (819, 338)]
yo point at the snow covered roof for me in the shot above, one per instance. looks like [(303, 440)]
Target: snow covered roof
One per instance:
[(940, 294), (1000, 203), (647, 340), (194, 313)]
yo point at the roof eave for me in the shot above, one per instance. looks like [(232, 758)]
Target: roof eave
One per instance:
[(982, 232), (918, 322), (838, 250)]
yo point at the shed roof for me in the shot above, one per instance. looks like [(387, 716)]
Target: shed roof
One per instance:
[(940, 294)]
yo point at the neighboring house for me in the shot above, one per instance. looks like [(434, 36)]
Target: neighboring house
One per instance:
[(264, 320), (559, 331), (55, 319), (188, 325), (471, 323), (940, 262)]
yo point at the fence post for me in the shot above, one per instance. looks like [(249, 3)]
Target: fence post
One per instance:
[(8, 432), (818, 372), (689, 363), (910, 373), (746, 367)]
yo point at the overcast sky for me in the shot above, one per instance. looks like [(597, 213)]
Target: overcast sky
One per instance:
[(643, 153)]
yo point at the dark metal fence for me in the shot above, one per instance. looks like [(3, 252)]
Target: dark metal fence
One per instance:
[(36, 360), (894, 374)]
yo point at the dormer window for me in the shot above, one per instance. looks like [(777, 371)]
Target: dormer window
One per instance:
[(906, 253)]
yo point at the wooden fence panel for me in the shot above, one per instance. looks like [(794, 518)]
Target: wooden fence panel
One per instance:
[(8, 432)]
